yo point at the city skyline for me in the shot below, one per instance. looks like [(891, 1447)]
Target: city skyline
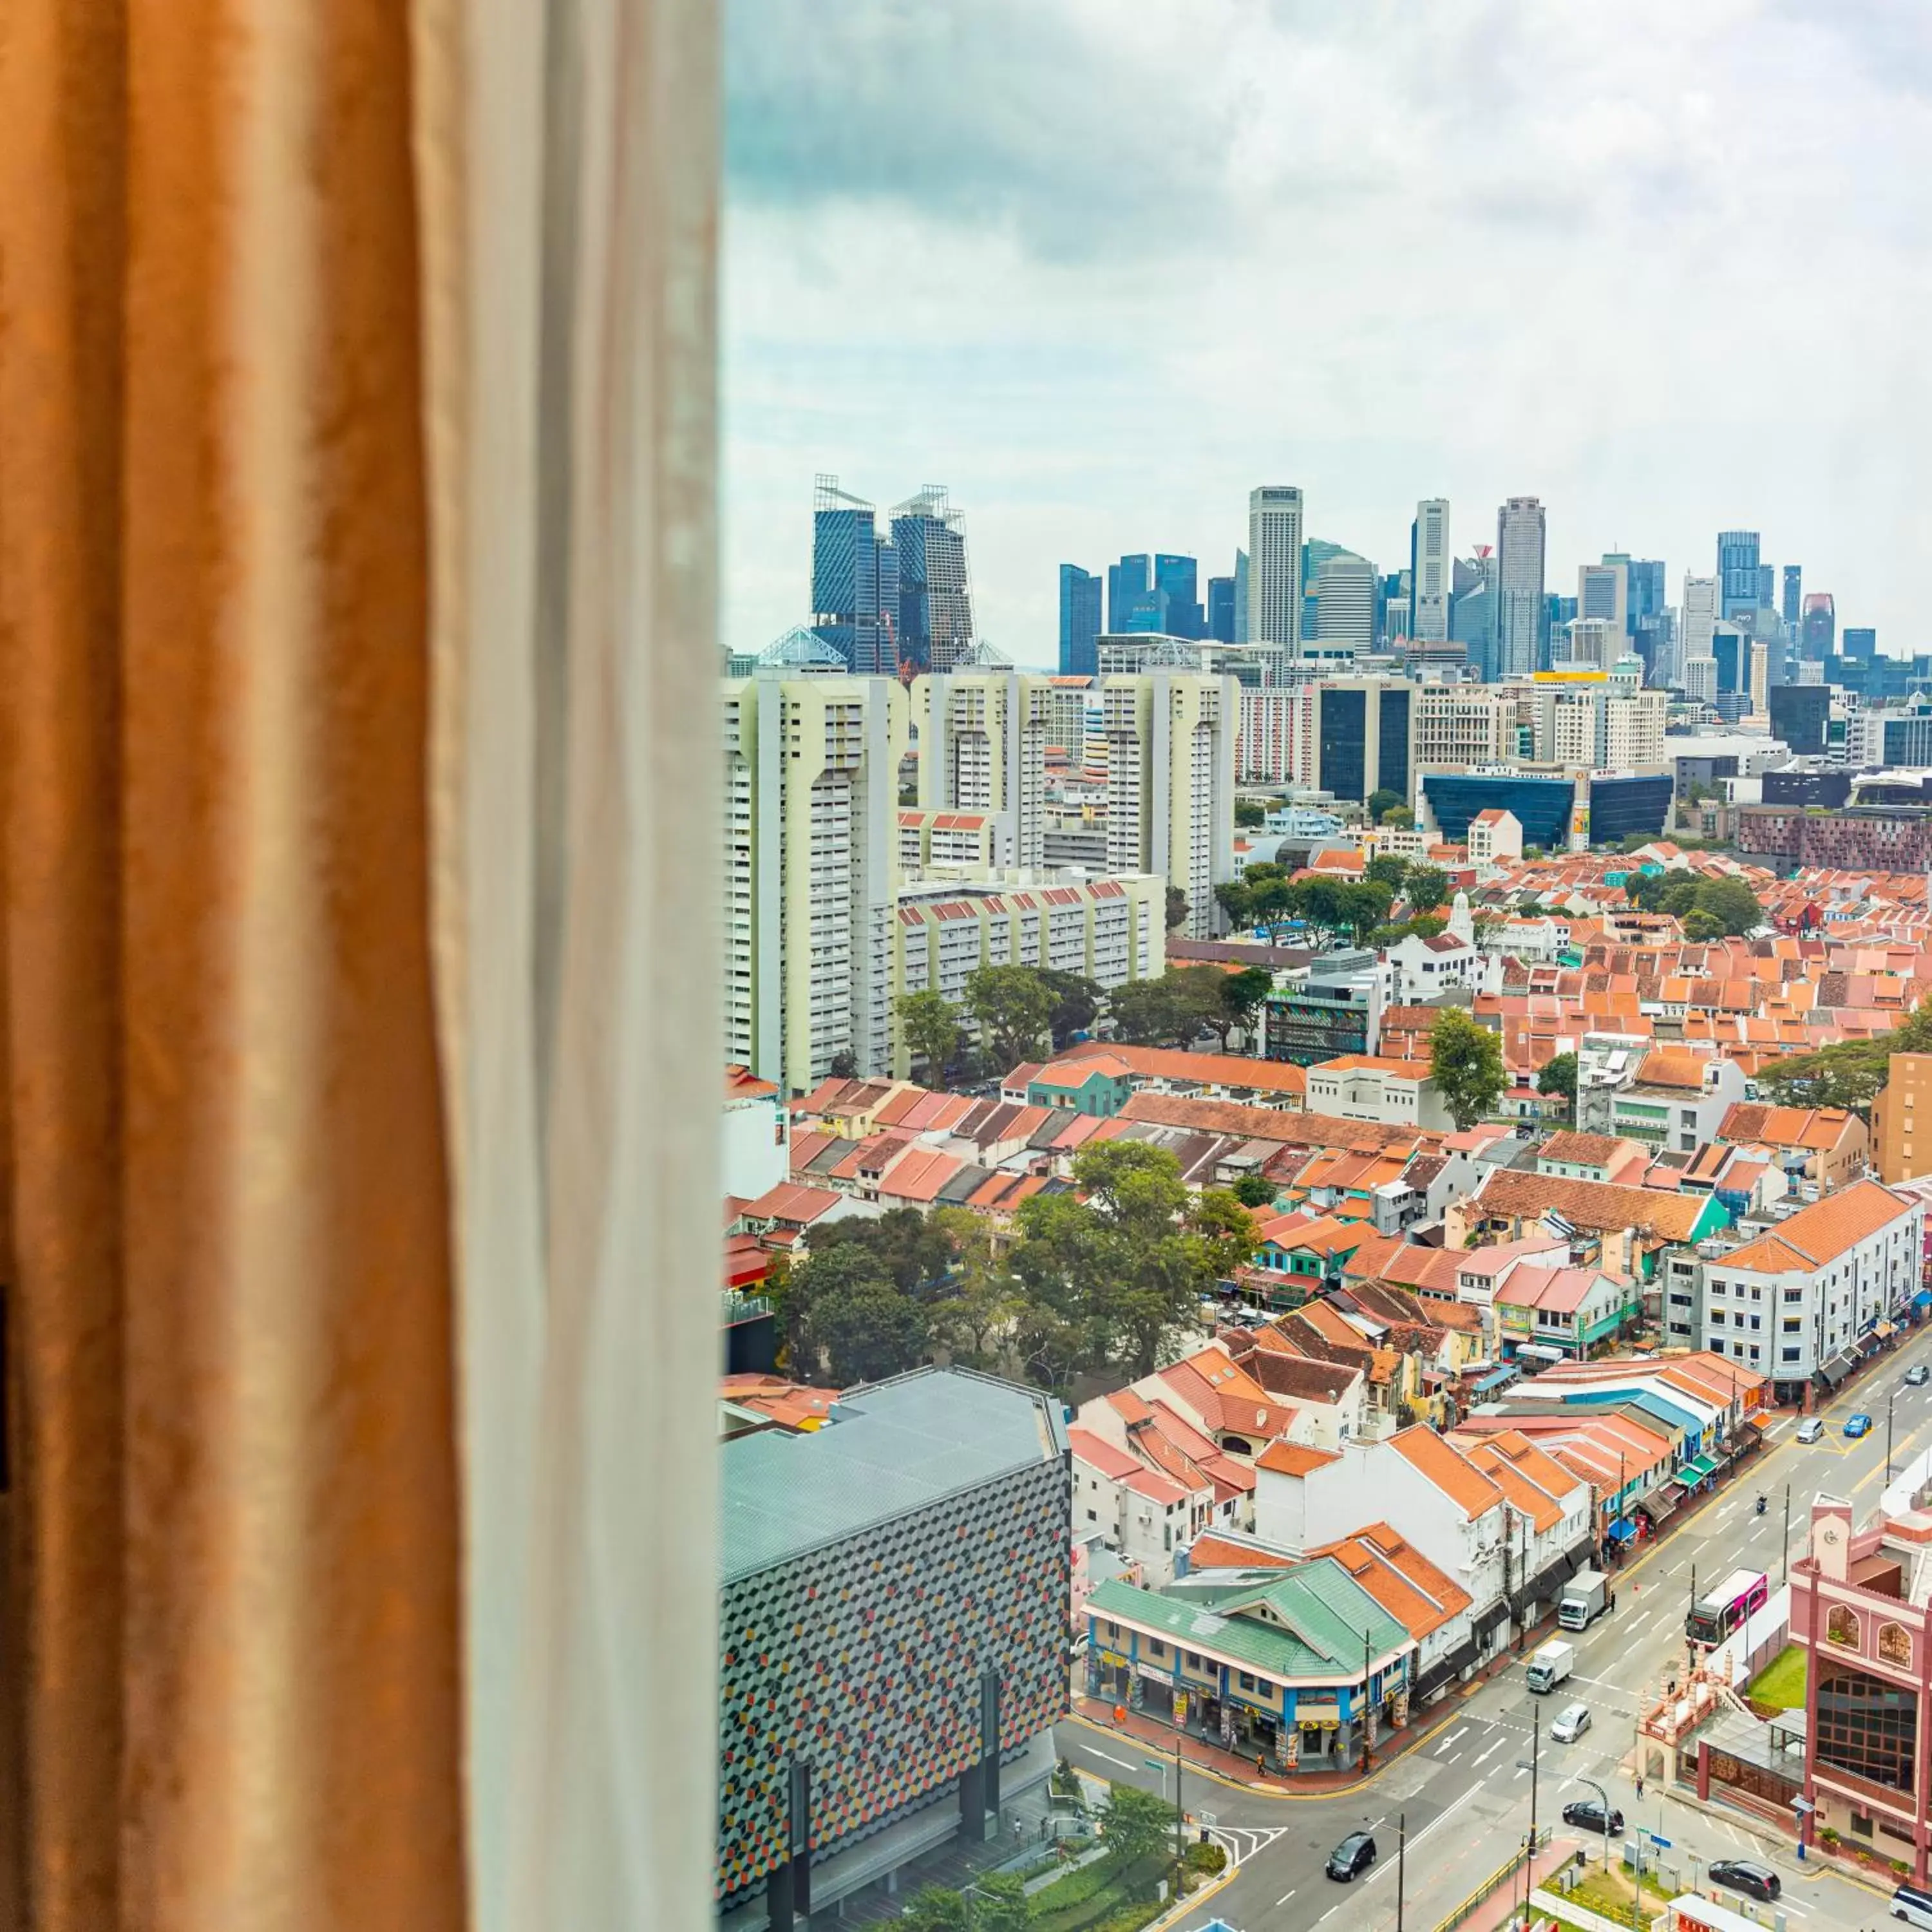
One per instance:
[(940, 268)]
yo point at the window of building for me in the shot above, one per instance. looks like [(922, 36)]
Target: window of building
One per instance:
[(1093, 1516), (1866, 1727), (1895, 1646), (1247, 1681), (1841, 1626)]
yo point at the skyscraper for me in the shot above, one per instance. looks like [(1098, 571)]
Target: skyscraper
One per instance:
[(1603, 590), (1737, 572), (1128, 582), (935, 594), (1859, 646), (1079, 621), (1520, 536), (1697, 626), (1176, 577), (1344, 591), (1240, 597), (1472, 611), (1221, 609), (1817, 631), (1645, 576), (1274, 567), (854, 580), (1794, 594), (1430, 586)]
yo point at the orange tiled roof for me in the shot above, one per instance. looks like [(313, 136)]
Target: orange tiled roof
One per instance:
[(1819, 1234), (1433, 1456), (1294, 1458)]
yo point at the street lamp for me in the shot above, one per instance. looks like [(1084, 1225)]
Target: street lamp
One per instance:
[(1535, 1753), (1603, 1799), (1888, 1401), (1160, 1764), (1401, 1862)]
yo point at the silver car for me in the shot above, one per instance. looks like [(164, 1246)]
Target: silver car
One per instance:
[(1572, 1721)]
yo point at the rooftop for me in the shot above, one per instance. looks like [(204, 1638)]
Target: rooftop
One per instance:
[(882, 1452)]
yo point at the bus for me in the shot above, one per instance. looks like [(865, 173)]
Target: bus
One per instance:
[(1741, 1594)]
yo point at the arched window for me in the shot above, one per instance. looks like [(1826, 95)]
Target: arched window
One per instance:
[(1841, 1626), (1895, 1645)]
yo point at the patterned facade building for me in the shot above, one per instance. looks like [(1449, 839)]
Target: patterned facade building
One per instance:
[(894, 1595)]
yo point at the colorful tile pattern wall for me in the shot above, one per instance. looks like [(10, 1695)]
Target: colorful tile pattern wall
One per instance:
[(865, 1658)]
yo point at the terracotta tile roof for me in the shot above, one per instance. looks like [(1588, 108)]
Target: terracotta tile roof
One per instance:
[(1225, 1395), (920, 1175), (1156, 1487), (742, 1084), (1279, 1126), (1664, 1068), (1419, 1596), (1595, 1205), (1364, 1063), (1583, 1150), (1433, 1456), (1214, 1552), (1817, 1129), (788, 1201), (1819, 1234), (1210, 1069), (1097, 1452), (1130, 1407), (1294, 1458), (792, 1404)]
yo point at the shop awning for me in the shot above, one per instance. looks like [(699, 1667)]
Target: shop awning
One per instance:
[(1657, 1506), (1621, 1531), (1697, 1469), (1497, 1613), (1885, 1330), (1834, 1371), (1923, 1299), (1495, 1378)]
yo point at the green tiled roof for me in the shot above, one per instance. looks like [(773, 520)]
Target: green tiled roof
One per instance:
[(1323, 1610)]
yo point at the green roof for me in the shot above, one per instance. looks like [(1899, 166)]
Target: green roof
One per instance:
[(1324, 1612)]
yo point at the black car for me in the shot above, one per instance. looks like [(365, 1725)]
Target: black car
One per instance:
[(1352, 1857), (1587, 1815), (1747, 1876)]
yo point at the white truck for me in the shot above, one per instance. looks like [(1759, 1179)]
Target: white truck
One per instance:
[(1586, 1597), (1550, 1663)]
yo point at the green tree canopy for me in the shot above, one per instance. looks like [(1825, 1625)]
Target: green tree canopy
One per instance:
[(934, 1909), (1400, 817), (1013, 1006), (1426, 888), (1381, 801), (1260, 897), (1389, 869), (1558, 1077), (1849, 1074), (1467, 1060), (1242, 995), (1254, 1190), (868, 1329), (1730, 903), (834, 1268), (1135, 1822), (914, 1251), (930, 1029), (1249, 812), (844, 1065), (1700, 926), (1076, 1003), (1169, 1010), (1177, 907)]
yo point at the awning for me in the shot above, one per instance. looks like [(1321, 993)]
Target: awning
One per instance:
[(1697, 1470), (1834, 1371), (1657, 1506), (1495, 1378), (1444, 1668), (1923, 1299), (1887, 1330), (1497, 1613), (1621, 1531)]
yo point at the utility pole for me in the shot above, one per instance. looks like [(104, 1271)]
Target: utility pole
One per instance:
[(1888, 1401), (1368, 1749), (1401, 1862), (1180, 1816), (1786, 1577)]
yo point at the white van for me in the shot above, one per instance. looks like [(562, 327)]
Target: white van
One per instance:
[(1913, 1906)]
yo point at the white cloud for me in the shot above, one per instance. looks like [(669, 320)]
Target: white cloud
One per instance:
[(1101, 268)]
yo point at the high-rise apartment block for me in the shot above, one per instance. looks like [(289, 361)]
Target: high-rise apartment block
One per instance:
[(1738, 579), (1598, 640), (1899, 1150), (1520, 539), (855, 580), (1429, 572), (1171, 784), (982, 740), (1079, 621), (1274, 566), (935, 592), (811, 871)]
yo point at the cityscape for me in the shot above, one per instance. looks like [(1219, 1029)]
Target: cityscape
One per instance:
[(1326, 1316)]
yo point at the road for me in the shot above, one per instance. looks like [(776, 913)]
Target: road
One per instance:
[(1463, 1791)]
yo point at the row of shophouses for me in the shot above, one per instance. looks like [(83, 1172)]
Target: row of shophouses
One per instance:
[(1251, 1569)]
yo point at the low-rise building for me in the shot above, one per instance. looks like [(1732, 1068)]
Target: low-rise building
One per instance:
[(757, 1134), (1827, 1146), (1494, 836), (1425, 969), (1568, 1310), (1666, 1098), (1393, 1092), (1802, 1298), (1334, 1007)]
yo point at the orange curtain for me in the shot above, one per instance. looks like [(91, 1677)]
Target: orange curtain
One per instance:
[(233, 1615)]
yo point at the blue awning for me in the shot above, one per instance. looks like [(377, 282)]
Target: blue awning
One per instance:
[(1621, 1531), (1495, 1378), (1923, 1299)]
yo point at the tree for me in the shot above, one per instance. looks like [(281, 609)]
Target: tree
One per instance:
[(1221, 1222), (844, 1065), (1243, 995), (1558, 1077), (1731, 902), (1249, 812), (1427, 924), (977, 1303), (1382, 801), (1400, 817), (1136, 1823), (869, 1330), (1000, 1903), (1426, 888), (930, 1029), (912, 1251), (1013, 1006), (1170, 1010), (1700, 925), (1467, 1060), (1388, 870), (933, 1909), (1076, 1003), (836, 1267), (1177, 907), (1254, 1190)]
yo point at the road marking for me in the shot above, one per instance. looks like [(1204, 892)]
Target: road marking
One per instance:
[(1284, 1898), (1461, 1732), (1382, 1820), (1785, 1905), (1447, 1762), (1490, 1752), (1126, 1763), (1521, 1771), (1642, 1616)]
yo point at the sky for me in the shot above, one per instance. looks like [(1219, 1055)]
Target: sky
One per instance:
[(1100, 267)]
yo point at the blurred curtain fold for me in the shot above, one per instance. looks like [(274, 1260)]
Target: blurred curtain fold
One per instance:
[(356, 814)]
